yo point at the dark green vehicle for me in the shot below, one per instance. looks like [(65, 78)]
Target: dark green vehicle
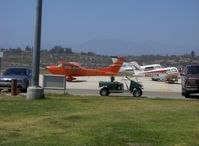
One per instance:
[(117, 87)]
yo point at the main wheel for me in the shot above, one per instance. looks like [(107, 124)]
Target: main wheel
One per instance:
[(137, 92), (104, 92)]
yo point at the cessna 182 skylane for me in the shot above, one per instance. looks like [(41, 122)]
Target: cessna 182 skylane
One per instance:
[(73, 69)]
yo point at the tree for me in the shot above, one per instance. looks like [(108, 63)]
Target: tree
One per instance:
[(60, 49), (18, 50), (193, 54), (28, 49)]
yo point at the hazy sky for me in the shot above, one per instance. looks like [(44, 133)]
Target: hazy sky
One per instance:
[(77, 21)]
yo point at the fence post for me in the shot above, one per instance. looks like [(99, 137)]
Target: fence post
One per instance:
[(14, 87)]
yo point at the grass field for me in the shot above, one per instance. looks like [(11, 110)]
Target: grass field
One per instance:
[(62, 120)]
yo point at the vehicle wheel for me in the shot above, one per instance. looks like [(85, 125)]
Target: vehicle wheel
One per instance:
[(137, 92), (187, 95), (104, 92)]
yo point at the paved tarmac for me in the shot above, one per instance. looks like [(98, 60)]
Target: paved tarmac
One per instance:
[(152, 89), (149, 85), (147, 94)]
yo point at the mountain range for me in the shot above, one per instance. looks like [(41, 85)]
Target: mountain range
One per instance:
[(121, 47)]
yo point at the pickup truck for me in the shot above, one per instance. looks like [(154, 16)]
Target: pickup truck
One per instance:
[(190, 80)]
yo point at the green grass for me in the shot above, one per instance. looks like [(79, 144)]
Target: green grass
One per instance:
[(62, 120)]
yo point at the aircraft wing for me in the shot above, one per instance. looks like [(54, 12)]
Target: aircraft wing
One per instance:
[(70, 63)]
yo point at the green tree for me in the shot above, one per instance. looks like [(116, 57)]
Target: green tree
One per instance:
[(193, 54)]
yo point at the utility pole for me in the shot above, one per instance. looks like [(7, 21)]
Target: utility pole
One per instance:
[(34, 91)]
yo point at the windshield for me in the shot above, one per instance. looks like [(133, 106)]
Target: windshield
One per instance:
[(193, 70), (16, 71), (59, 65)]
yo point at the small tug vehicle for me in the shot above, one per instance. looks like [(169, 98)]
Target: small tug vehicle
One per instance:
[(112, 86)]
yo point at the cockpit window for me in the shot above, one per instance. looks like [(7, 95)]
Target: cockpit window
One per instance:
[(68, 67), (59, 65), (173, 70), (149, 68), (75, 67)]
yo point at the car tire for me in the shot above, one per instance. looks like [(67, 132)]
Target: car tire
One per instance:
[(104, 92), (187, 95)]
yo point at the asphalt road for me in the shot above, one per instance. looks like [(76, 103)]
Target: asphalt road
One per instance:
[(89, 86), (148, 94)]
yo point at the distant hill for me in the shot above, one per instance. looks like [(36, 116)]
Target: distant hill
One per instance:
[(23, 57), (121, 47)]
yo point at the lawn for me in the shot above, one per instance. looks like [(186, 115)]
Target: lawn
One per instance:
[(64, 120)]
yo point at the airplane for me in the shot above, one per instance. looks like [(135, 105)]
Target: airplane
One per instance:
[(126, 66), (134, 68), (72, 69), (156, 71), (171, 75), (148, 70)]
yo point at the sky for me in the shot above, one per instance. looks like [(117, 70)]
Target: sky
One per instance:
[(65, 22)]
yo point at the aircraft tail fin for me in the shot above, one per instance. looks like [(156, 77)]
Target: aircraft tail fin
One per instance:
[(115, 67), (136, 65), (114, 58), (138, 71)]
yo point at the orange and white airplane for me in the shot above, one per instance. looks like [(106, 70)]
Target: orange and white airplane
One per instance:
[(72, 69)]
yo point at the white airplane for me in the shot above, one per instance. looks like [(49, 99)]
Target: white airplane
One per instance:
[(171, 75), (147, 70), (153, 70), (137, 70)]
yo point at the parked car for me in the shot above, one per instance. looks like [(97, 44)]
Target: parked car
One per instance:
[(190, 80), (23, 76)]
